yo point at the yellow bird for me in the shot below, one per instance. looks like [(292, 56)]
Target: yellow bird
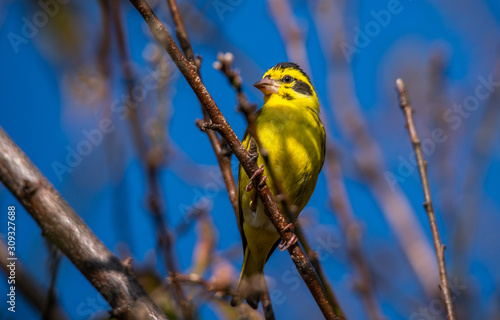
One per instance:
[(288, 126)]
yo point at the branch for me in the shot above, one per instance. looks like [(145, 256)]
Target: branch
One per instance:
[(180, 32), (30, 288), (422, 169), (55, 261), (63, 227), (222, 153), (151, 159), (218, 288), (267, 306), (225, 65), (190, 73), (339, 202)]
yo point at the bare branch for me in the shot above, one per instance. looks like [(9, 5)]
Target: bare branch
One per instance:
[(422, 169), (151, 160), (180, 31), (339, 201), (267, 306), (63, 227), (55, 261), (190, 72), (30, 288)]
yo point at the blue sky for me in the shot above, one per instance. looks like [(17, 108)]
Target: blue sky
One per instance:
[(52, 99)]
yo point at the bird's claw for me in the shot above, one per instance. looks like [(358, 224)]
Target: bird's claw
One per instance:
[(284, 245), (287, 244), (252, 183), (289, 227)]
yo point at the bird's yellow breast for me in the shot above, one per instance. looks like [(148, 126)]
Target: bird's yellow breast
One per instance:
[(294, 138)]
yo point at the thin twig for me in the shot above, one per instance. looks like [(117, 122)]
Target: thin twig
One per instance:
[(152, 161), (267, 305), (28, 286), (62, 226), (422, 169), (55, 261), (221, 153), (180, 31), (210, 286), (339, 201), (190, 73)]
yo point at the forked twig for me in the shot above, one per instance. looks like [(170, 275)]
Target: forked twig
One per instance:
[(190, 73)]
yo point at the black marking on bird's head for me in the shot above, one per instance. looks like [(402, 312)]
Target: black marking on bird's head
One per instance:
[(302, 87), (291, 65)]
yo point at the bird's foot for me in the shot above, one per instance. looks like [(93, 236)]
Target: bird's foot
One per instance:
[(252, 184), (289, 227), (284, 245)]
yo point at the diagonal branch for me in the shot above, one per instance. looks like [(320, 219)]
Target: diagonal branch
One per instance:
[(190, 73), (63, 227), (422, 170), (225, 65)]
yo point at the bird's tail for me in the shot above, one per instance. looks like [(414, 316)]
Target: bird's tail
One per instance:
[(251, 284)]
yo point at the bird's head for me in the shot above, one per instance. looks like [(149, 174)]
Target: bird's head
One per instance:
[(287, 81)]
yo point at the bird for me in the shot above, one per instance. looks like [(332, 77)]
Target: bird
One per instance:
[(288, 127)]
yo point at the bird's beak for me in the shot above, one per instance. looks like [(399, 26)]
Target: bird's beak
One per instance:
[(267, 86)]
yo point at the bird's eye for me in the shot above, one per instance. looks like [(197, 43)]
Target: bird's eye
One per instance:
[(287, 79)]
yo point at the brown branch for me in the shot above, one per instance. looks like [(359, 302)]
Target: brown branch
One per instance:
[(30, 288), (340, 203), (267, 306), (152, 161), (422, 169), (206, 242), (220, 289), (180, 32), (55, 261), (223, 155), (63, 227), (225, 65), (190, 73)]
